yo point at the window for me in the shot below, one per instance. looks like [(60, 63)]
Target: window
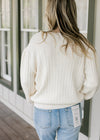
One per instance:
[(5, 42)]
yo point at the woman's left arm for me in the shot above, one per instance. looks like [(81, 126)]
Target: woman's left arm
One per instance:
[(28, 71)]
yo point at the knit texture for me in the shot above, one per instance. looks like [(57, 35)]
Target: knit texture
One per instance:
[(51, 79)]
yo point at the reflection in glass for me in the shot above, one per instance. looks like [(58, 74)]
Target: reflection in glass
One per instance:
[(5, 13), (82, 14), (6, 63), (6, 53), (30, 14), (29, 20), (6, 38)]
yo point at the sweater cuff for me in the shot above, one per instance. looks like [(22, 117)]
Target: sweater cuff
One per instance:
[(28, 99), (90, 95)]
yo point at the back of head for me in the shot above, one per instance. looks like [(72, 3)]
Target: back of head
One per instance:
[(62, 14)]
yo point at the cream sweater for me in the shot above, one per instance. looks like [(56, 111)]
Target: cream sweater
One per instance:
[(50, 79)]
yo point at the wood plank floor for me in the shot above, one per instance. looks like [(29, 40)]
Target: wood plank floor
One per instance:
[(13, 127)]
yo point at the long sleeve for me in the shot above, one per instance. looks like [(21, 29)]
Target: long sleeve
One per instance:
[(28, 71), (92, 76)]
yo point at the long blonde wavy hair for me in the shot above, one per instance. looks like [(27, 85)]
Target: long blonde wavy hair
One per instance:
[(63, 14)]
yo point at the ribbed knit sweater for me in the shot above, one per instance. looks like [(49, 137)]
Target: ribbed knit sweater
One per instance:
[(51, 79)]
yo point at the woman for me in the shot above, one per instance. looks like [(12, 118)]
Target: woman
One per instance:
[(58, 71)]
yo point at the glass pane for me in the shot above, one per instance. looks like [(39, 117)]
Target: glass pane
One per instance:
[(30, 35), (5, 13), (44, 27), (6, 63), (26, 36), (30, 14), (33, 12), (6, 38), (6, 52), (82, 15), (25, 15)]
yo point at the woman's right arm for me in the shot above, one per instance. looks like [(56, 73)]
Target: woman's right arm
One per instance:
[(92, 76)]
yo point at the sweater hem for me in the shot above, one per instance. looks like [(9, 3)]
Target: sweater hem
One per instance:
[(55, 106)]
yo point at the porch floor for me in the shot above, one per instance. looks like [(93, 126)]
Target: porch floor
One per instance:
[(13, 127)]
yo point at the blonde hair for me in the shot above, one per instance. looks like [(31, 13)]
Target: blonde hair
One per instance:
[(63, 14)]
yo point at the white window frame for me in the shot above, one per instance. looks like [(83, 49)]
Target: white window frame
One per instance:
[(4, 30)]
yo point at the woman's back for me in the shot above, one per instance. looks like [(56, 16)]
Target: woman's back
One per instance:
[(58, 76)]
